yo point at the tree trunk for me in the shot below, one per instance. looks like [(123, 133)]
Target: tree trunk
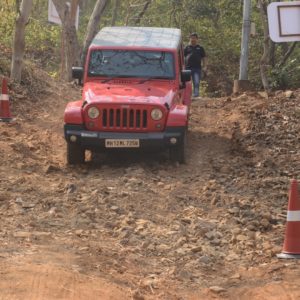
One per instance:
[(287, 54), (19, 40), (129, 9), (71, 41), (272, 49), (143, 11), (265, 57), (115, 12), (92, 28), (70, 45), (284, 47)]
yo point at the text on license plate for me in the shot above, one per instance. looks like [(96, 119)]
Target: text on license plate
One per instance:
[(125, 143)]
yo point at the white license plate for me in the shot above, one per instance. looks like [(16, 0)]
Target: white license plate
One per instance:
[(125, 143)]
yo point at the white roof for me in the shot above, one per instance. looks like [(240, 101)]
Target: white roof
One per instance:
[(144, 37)]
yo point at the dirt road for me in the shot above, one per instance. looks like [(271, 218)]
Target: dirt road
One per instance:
[(140, 227)]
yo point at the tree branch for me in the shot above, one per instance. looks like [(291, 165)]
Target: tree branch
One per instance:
[(142, 12), (287, 54), (92, 28), (265, 57), (115, 12)]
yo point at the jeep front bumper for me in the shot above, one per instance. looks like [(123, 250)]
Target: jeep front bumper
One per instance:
[(95, 140)]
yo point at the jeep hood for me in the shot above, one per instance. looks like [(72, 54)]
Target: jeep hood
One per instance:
[(130, 93)]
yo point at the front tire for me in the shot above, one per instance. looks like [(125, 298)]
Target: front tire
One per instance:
[(178, 152), (75, 154)]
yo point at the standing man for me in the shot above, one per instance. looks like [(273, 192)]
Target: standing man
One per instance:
[(195, 60)]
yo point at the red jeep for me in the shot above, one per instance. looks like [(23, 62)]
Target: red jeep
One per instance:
[(135, 94)]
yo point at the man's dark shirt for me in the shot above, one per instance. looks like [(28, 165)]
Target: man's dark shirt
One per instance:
[(193, 56)]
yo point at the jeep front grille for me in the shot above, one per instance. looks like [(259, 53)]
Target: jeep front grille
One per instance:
[(124, 118)]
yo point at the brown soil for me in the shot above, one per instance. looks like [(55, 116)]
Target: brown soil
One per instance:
[(139, 226)]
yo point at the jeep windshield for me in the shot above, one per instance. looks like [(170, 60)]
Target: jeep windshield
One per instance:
[(131, 63)]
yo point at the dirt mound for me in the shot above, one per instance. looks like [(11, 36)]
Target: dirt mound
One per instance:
[(150, 229)]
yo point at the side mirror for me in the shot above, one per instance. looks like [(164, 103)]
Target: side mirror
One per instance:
[(77, 73), (186, 75)]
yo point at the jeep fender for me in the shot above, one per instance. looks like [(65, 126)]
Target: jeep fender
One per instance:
[(178, 116), (73, 113)]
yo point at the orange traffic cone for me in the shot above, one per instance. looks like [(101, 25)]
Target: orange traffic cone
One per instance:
[(291, 245), (4, 103)]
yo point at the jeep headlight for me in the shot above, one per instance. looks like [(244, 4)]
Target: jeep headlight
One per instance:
[(93, 112), (156, 114)]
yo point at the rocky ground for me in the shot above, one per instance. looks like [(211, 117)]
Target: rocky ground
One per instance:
[(138, 226)]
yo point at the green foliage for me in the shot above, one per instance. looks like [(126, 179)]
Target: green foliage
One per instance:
[(53, 74), (7, 23), (203, 87), (219, 24), (286, 76), (41, 36)]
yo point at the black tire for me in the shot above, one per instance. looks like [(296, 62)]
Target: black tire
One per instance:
[(75, 154), (178, 152)]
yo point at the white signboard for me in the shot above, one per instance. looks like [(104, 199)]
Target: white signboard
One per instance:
[(54, 17), (284, 21)]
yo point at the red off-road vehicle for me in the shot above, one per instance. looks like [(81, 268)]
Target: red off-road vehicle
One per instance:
[(135, 94)]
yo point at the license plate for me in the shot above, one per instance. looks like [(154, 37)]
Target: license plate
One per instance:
[(125, 143)]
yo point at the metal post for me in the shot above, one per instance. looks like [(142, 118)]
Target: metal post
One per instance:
[(245, 40)]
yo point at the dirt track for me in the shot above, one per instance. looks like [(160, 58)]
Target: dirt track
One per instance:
[(140, 227)]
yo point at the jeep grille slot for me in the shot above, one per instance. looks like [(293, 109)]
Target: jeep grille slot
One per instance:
[(104, 118), (111, 118), (138, 119), (124, 124), (118, 118), (144, 118), (124, 118), (131, 118)]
